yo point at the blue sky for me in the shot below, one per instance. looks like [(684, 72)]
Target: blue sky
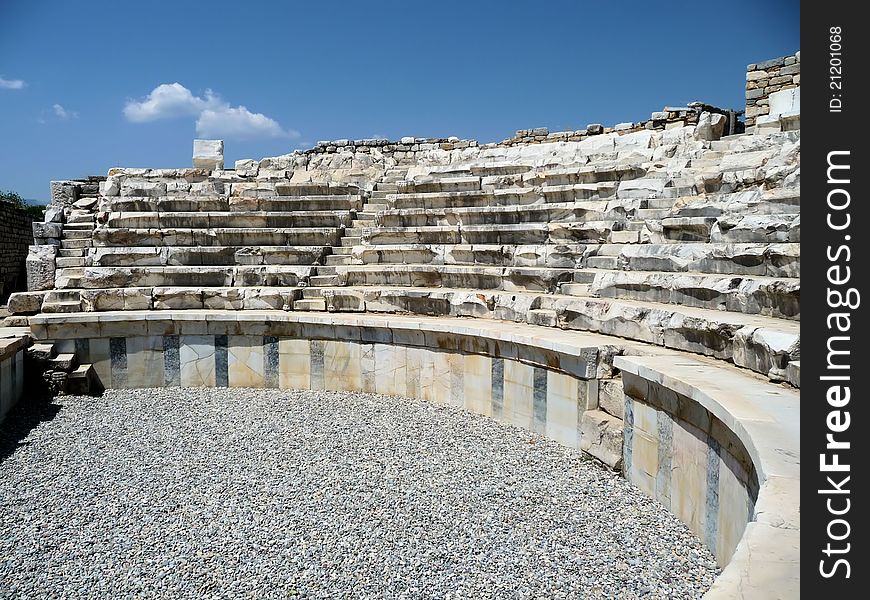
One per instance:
[(85, 86)]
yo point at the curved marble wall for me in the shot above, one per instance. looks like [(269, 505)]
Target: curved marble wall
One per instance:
[(716, 445)]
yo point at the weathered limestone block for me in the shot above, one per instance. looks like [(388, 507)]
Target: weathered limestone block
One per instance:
[(177, 298), (41, 267), (268, 299), (338, 300), (785, 101), (601, 436), (25, 303), (710, 126), (53, 214), (740, 228), (111, 186), (143, 188), (208, 154), (47, 230), (766, 350), (611, 397), (63, 193), (223, 298)]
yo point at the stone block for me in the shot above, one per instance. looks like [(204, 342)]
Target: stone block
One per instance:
[(41, 266), (47, 230), (601, 436), (785, 101), (25, 302), (208, 154)]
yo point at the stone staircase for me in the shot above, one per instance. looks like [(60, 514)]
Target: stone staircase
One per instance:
[(61, 370), (364, 218)]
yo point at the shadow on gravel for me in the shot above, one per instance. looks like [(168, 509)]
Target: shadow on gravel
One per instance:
[(21, 420)]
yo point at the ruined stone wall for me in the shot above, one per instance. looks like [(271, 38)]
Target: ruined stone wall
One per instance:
[(766, 78), (15, 237), (407, 150)]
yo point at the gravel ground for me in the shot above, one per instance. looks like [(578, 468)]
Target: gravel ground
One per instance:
[(255, 493)]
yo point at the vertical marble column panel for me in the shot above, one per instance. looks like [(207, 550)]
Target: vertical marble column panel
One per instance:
[(477, 384), (145, 362), (563, 413), (196, 356), (294, 364), (519, 383), (341, 366)]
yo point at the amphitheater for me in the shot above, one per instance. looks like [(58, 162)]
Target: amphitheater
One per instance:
[(630, 292)]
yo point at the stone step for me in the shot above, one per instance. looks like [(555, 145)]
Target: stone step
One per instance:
[(652, 213), (660, 203), (500, 197), (77, 226), (454, 276), (543, 317), (65, 262), (71, 252), (83, 381), (736, 228), (214, 220), (245, 236), (233, 204), (61, 307), (337, 259), (441, 184), (762, 344), (688, 229), (775, 297), (74, 244), (350, 240), (77, 234), (581, 174), (184, 276), (508, 234), (314, 304), (373, 207), (558, 256), (624, 237), (42, 351), (309, 293), (602, 262), (323, 280), (64, 362), (206, 255), (574, 289), (342, 250), (326, 269), (557, 212), (764, 259)]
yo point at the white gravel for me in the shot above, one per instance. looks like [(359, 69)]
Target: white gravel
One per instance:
[(261, 493)]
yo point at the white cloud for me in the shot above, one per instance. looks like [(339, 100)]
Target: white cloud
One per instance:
[(214, 116), (61, 113), (239, 123), (11, 84), (169, 100)]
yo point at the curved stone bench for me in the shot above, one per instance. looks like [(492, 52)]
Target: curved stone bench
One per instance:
[(721, 449), (716, 445)]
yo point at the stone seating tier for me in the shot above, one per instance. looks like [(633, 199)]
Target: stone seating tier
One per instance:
[(762, 344)]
